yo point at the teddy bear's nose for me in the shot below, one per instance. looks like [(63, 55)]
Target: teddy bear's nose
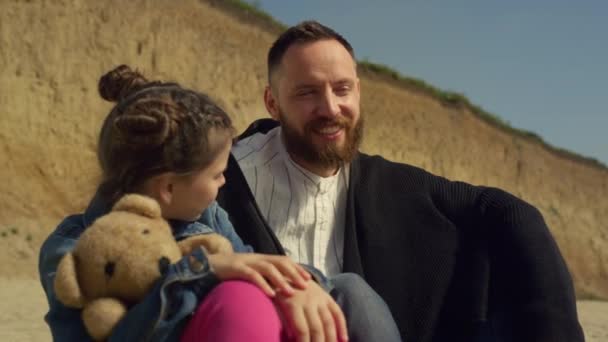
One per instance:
[(109, 269), (163, 265)]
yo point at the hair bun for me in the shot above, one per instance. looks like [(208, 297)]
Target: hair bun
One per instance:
[(120, 82), (144, 128)]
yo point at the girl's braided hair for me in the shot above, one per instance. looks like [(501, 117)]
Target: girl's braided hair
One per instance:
[(155, 127)]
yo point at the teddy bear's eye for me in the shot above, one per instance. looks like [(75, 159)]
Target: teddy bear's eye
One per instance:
[(145, 231), (109, 269)]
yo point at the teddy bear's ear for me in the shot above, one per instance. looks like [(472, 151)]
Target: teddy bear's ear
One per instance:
[(138, 204), (66, 284)]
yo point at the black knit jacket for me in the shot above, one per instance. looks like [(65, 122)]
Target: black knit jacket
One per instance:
[(453, 261)]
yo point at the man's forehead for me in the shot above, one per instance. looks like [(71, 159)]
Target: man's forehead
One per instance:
[(310, 62), (309, 52)]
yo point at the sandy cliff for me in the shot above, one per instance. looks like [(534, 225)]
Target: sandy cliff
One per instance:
[(53, 52)]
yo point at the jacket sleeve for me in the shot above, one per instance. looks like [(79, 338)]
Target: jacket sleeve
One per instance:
[(65, 323), (157, 317), (222, 225), (531, 292), (172, 300), (319, 278)]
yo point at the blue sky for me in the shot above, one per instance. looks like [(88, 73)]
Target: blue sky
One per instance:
[(540, 65)]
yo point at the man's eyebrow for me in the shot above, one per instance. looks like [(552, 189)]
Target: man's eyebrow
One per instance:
[(301, 87), (344, 81), (305, 86)]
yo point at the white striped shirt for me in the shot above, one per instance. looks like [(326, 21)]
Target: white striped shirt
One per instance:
[(305, 211)]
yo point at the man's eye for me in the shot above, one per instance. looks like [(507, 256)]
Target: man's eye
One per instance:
[(341, 91), (304, 93)]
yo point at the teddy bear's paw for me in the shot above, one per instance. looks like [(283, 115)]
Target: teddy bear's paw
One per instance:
[(101, 315), (212, 243), (66, 284)]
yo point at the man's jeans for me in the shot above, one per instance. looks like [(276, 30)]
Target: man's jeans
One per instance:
[(367, 316)]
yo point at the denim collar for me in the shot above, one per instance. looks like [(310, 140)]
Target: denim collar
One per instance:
[(97, 207)]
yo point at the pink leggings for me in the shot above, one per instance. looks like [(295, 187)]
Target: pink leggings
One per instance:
[(235, 311)]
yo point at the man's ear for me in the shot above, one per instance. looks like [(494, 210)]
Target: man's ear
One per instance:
[(271, 103)]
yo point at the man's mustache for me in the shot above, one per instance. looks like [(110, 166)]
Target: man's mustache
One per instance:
[(324, 122)]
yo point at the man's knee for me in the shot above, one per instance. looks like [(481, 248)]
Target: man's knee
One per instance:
[(367, 315), (351, 284), (353, 293)]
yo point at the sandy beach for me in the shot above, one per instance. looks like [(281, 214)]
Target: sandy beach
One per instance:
[(25, 306)]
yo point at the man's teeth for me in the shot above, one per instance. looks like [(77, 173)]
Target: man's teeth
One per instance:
[(329, 130)]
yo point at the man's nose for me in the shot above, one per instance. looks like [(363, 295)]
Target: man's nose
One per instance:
[(329, 105)]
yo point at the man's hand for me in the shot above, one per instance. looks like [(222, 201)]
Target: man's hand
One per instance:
[(312, 315), (271, 273)]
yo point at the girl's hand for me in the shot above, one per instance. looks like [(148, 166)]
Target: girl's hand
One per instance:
[(271, 273), (313, 315)]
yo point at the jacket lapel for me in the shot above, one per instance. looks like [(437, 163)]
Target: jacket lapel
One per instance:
[(401, 244), (236, 198), (352, 257)]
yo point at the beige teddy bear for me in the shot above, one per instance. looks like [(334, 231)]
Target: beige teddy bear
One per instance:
[(117, 260)]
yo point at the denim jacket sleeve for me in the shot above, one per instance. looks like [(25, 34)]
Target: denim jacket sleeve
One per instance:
[(65, 323), (217, 218), (319, 277), (159, 317)]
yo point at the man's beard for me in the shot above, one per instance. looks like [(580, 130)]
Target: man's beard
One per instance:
[(326, 155)]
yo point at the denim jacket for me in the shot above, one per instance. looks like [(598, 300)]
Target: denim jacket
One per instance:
[(163, 313)]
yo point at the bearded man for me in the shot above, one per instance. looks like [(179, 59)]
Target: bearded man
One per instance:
[(454, 262)]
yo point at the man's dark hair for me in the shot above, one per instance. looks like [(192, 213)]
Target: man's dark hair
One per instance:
[(305, 32)]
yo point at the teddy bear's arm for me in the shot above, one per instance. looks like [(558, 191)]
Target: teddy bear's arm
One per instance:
[(66, 284), (101, 316), (213, 243)]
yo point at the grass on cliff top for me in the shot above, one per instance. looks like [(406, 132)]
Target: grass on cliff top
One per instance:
[(251, 12), (459, 100)]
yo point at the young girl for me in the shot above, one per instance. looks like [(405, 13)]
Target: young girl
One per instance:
[(173, 144)]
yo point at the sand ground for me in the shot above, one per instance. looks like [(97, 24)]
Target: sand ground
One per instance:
[(24, 307)]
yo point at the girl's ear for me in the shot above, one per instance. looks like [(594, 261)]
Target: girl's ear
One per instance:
[(160, 187), (165, 188)]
